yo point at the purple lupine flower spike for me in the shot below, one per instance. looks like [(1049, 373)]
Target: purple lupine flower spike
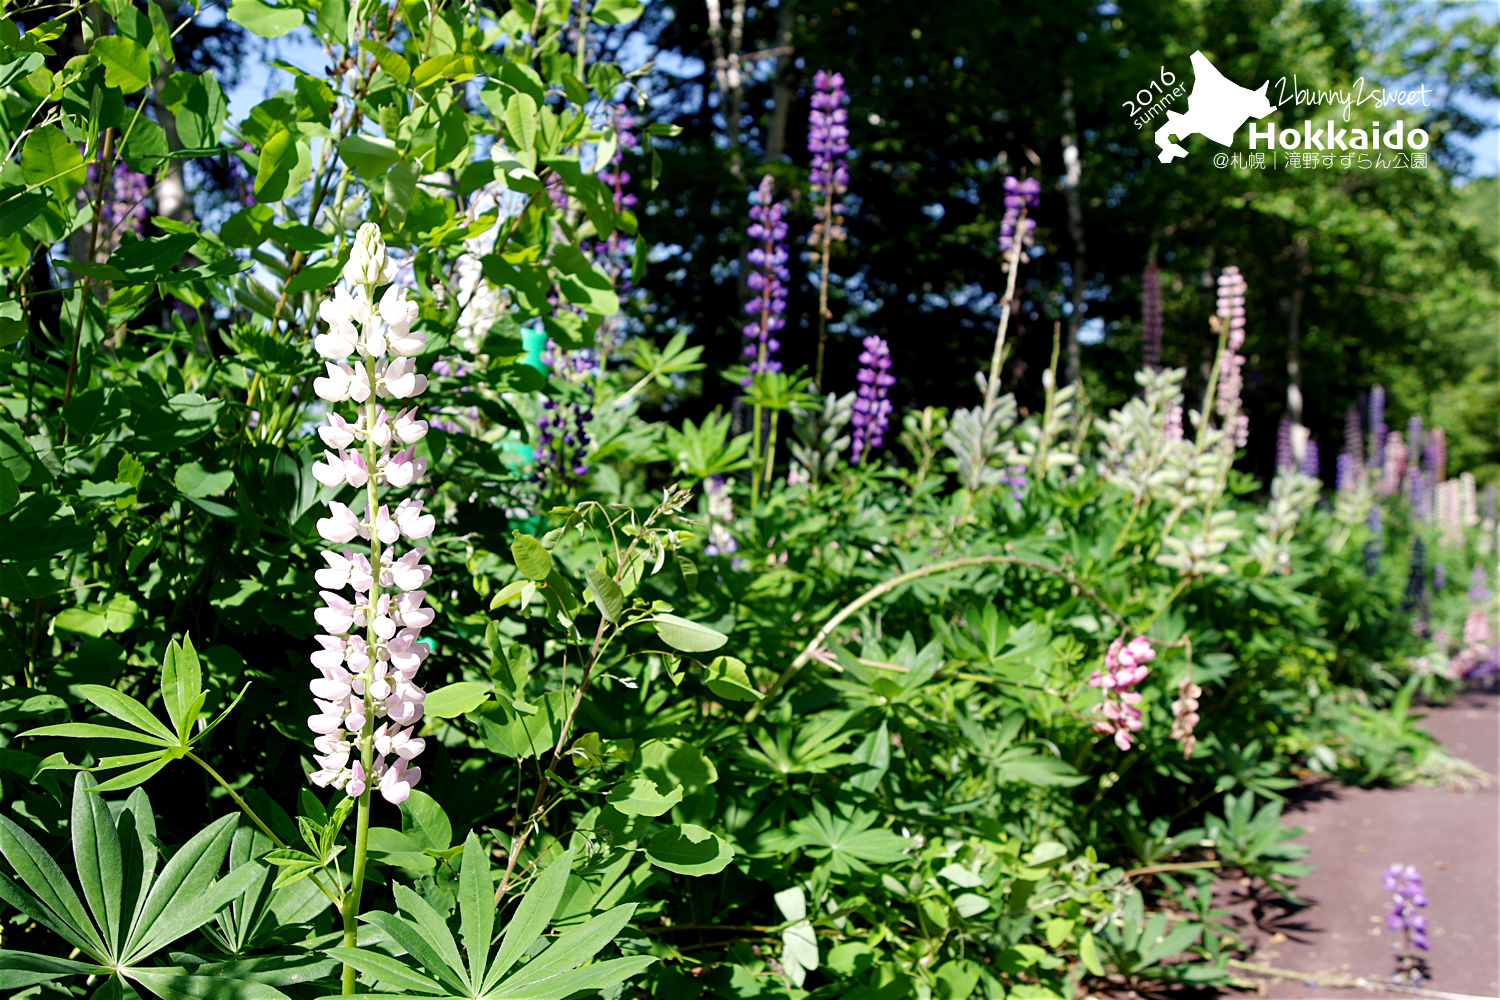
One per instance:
[(1311, 463), (828, 142), (562, 430), (1404, 883), (1377, 427), (1020, 195), (872, 410), (1151, 316), (767, 280), (1285, 457)]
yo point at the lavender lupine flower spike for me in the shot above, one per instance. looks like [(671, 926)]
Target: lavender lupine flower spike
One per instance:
[(1151, 316), (828, 142), (767, 281), (1312, 464), (1377, 428), (1019, 195), (872, 410), (371, 646), (1404, 883)]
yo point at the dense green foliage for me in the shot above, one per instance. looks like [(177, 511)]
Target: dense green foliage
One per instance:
[(710, 711)]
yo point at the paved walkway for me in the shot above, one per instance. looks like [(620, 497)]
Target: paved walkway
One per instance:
[(1452, 837)]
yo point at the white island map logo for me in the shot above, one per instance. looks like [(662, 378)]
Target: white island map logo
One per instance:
[(1217, 108)]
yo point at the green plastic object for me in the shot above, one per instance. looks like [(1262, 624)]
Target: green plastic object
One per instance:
[(533, 342)]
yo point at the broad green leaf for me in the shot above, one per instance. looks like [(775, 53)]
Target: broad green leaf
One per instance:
[(689, 850), (531, 917), (387, 59), (285, 163), (476, 905), (424, 820), (10, 493), (19, 969), (608, 597), (400, 187), (520, 121), (96, 855), (126, 64), (263, 19), (367, 155), (49, 157), (515, 734), (182, 685), (638, 795), (171, 985), (617, 11), (728, 678), (456, 699), (1088, 951), (673, 762), (149, 259), (196, 481), (534, 562), (688, 636), (199, 107)]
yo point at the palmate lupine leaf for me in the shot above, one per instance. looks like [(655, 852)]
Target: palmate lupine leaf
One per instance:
[(557, 972), (181, 691), (128, 911)]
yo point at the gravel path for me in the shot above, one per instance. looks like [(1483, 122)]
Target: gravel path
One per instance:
[(1452, 837)]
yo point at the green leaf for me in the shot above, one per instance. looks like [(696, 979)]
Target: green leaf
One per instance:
[(126, 64), (126, 709), (428, 943), (85, 731), (589, 979), (618, 11), (184, 896), (567, 953), (149, 259), (10, 492), (689, 850), (674, 762), (52, 900), (285, 163), (638, 795), (534, 562), (18, 208), (386, 970), (400, 187), (520, 121), (688, 636), (49, 157), (198, 106), (96, 855), (265, 20), (1088, 951), (729, 678), (608, 597), (424, 819), (456, 699), (196, 481), (367, 155), (531, 917), (389, 60), (19, 969), (182, 686), (476, 905)]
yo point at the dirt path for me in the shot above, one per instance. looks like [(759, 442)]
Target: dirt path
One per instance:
[(1452, 837)]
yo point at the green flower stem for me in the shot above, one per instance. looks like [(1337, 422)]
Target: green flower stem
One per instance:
[(827, 244), (251, 815), (771, 449), (350, 909), (917, 574)]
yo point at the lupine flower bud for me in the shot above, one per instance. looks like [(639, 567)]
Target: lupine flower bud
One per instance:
[(368, 263), (1151, 316), (1231, 312), (768, 281)]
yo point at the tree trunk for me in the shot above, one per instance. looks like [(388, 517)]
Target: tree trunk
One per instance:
[(1072, 177), (785, 83)]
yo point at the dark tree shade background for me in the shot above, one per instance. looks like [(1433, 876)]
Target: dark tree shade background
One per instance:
[(1394, 269)]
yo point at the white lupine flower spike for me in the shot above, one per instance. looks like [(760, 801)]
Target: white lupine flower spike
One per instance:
[(367, 704)]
